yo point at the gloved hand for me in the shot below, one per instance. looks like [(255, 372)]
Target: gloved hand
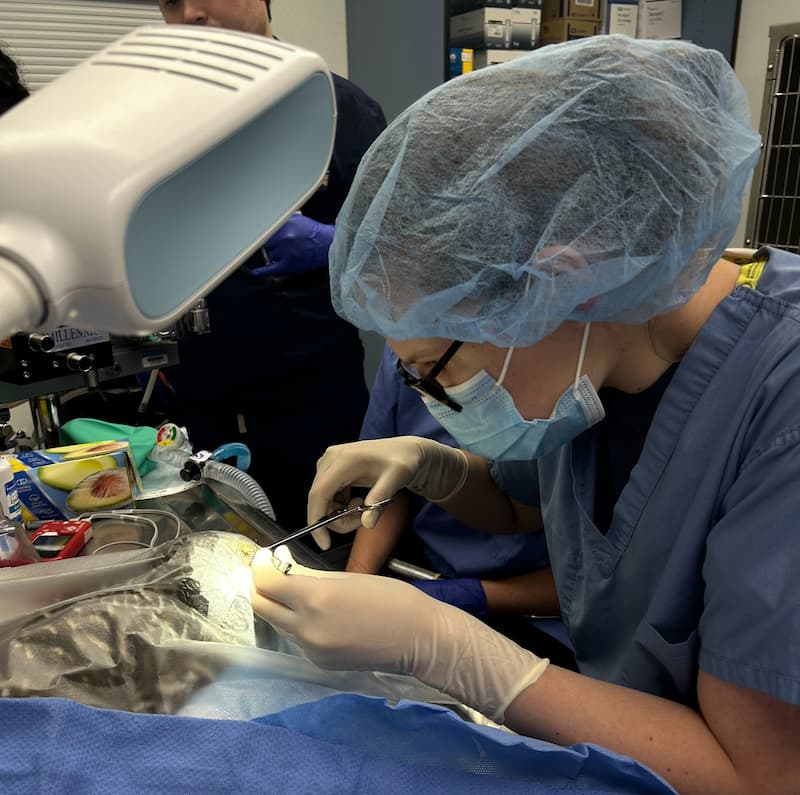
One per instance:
[(300, 245), (465, 593), (369, 623), (430, 469)]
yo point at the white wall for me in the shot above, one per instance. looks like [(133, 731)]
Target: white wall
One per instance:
[(757, 16), (319, 25)]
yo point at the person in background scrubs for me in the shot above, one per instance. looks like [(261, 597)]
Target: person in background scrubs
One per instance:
[(280, 370), (540, 243)]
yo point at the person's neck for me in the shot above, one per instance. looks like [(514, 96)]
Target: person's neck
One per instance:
[(639, 355)]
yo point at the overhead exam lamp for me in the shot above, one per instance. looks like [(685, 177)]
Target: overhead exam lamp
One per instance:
[(131, 185)]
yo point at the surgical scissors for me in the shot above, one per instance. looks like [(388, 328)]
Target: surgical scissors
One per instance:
[(331, 517)]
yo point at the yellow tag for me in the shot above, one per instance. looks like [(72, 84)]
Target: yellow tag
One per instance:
[(751, 273)]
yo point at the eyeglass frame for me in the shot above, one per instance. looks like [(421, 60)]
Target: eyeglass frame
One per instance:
[(427, 384)]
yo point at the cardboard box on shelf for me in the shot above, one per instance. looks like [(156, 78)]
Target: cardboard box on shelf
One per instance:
[(462, 6), (482, 58), (496, 28), (558, 9), (584, 8), (567, 29), (659, 19), (62, 482), (620, 16), (553, 9)]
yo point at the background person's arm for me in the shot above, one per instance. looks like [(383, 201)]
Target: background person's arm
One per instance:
[(372, 546), (532, 593), (481, 504), (525, 594)]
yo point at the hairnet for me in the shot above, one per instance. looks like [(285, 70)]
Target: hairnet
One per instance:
[(594, 180)]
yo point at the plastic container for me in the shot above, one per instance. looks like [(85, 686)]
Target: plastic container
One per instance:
[(9, 498), (15, 547)]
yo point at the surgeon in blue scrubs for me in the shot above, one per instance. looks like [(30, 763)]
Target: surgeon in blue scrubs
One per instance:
[(540, 242), (462, 554), (503, 579)]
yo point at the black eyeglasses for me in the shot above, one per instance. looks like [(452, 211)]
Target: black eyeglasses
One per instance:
[(427, 384)]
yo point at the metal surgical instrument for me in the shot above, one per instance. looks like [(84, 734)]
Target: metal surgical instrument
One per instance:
[(331, 517)]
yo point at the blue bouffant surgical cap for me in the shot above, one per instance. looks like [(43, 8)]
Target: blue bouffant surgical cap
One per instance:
[(595, 180)]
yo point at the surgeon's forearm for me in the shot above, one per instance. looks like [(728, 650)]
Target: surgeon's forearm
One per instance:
[(673, 740), (533, 593), (479, 503), (372, 546)]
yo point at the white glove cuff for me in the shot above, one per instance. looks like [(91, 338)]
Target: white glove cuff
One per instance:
[(465, 658), (525, 682)]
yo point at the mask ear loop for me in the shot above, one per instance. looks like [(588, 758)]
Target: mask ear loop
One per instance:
[(580, 359), (507, 361), (503, 372)]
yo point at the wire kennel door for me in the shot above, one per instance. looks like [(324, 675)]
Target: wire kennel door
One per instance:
[(774, 216)]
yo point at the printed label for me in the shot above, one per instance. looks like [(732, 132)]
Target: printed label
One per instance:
[(34, 499), (66, 337), (154, 360), (623, 19), (29, 460), (11, 503), (750, 274)]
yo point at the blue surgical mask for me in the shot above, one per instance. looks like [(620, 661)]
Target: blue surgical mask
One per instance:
[(490, 426)]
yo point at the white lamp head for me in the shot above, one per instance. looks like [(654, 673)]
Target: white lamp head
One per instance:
[(134, 183)]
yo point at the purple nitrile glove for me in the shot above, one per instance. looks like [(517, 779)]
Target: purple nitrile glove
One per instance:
[(465, 593), (300, 245)]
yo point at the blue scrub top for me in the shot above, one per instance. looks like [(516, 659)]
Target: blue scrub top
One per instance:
[(699, 568), (452, 548)]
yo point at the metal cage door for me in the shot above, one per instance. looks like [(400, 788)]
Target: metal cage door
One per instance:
[(774, 215)]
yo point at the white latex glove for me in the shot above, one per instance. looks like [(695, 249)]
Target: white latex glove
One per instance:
[(432, 470), (370, 623)]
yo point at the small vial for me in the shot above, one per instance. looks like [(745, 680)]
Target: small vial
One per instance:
[(10, 506)]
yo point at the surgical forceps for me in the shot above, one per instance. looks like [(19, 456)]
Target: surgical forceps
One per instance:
[(331, 517)]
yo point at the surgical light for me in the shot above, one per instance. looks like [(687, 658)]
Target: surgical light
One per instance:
[(132, 184)]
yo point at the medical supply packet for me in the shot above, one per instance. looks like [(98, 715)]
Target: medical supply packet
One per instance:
[(63, 482)]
